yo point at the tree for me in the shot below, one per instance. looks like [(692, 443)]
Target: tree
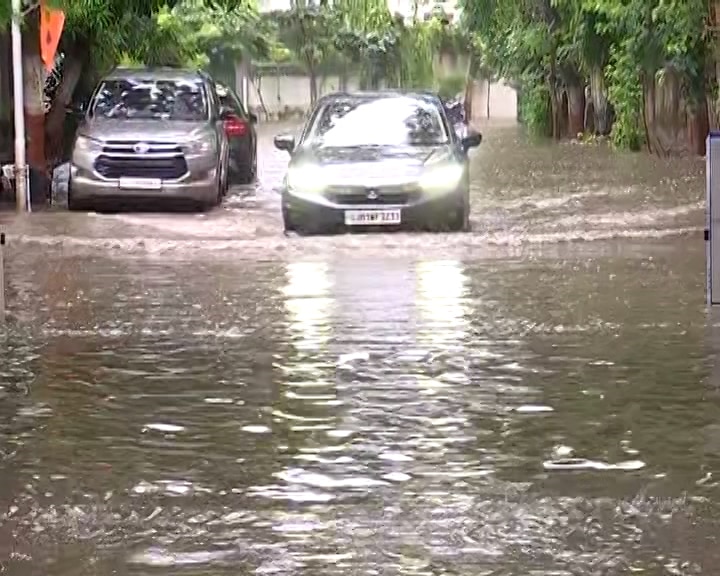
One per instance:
[(644, 60), (307, 30)]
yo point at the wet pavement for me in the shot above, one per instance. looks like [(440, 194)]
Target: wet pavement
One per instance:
[(200, 395)]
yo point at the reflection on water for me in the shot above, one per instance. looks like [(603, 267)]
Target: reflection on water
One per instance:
[(385, 416), (309, 304), (441, 300)]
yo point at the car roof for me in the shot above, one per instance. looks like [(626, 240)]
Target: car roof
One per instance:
[(159, 73), (426, 96)]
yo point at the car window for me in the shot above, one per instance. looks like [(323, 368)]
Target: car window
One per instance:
[(213, 98), (228, 99), (151, 99), (385, 121)]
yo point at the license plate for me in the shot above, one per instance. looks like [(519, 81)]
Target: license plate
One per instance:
[(371, 217), (141, 183)]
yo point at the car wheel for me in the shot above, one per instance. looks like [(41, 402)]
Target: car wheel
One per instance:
[(247, 174), (460, 221), (226, 181), (75, 205), (288, 223), (216, 200)]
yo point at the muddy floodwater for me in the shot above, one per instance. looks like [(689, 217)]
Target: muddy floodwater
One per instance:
[(200, 395)]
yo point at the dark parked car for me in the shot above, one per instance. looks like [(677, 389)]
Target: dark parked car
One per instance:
[(156, 134), (377, 159), (240, 128)]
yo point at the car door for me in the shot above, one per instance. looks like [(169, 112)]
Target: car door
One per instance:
[(243, 146), (215, 107)]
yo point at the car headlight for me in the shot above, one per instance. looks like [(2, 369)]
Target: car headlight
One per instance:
[(200, 146), (306, 179), (85, 144), (444, 178)]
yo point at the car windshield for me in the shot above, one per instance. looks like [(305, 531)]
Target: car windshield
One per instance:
[(151, 100), (388, 121)]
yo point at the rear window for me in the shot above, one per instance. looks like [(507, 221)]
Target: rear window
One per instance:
[(151, 100)]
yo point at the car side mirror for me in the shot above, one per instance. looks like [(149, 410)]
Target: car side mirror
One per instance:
[(253, 117), (284, 142), (471, 139)]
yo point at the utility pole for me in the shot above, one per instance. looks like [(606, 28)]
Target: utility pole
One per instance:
[(21, 183)]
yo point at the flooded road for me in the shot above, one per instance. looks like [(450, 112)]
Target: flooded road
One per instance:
[(199, 395)]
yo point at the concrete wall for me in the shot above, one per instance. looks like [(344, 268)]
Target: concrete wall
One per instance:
[(288, 96), (503, 101)]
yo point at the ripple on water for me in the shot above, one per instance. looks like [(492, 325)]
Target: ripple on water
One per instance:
[(186, 408)]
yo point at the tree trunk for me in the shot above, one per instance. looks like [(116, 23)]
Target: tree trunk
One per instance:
[(698, 128), (576, 110), (598, 93), (469, 91), (665, 113), (34, 83), (487, 102), (554, 97), (55, 119), (6, 106), (343, 81), (313, 85)]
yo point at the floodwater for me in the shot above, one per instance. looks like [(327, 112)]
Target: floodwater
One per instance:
[(200, 395)]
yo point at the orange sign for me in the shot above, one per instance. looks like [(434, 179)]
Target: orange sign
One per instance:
[(51, 27)]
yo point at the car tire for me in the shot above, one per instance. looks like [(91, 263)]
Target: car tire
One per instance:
[(461, 219), (248, 174), (289, 225), (217, 198), (75, 205)]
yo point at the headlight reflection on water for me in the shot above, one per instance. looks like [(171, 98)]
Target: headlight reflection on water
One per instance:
[(441, 301), (308, 303)]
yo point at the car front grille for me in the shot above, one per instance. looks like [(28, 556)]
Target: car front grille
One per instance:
[(373, 196), (165, 161), (162, 168)]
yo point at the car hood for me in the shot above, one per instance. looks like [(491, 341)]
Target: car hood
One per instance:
[(133, 130), (369, 166)]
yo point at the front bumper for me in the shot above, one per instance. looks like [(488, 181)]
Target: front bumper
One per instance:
[(202, 188), (427, 211)]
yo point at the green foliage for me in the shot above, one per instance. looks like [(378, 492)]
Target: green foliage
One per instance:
[(632, 41), (306, 30), (361, 36), (535, 109), (625, 92), (452, 85)]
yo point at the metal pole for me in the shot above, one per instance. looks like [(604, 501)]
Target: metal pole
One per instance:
[(2, 276), (21, 187)]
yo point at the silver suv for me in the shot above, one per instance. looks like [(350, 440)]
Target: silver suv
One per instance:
[(150, 134)]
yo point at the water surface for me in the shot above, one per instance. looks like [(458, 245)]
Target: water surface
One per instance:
[(203, 396)]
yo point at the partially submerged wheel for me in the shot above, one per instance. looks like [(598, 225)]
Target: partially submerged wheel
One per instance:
[(75, 205), (460, 220), (288, 224)]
